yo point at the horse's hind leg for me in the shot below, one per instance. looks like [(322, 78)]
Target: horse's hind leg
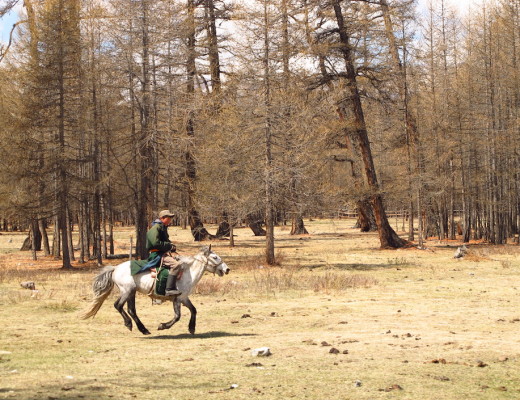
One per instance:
[(133, 314), (176, 317), (119, 305)]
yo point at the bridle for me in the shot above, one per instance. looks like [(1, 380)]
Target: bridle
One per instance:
[(215, 266)]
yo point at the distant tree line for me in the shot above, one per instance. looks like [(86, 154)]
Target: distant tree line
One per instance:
[(258, 112)]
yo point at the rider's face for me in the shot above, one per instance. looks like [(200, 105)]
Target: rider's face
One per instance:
[(166, 220)]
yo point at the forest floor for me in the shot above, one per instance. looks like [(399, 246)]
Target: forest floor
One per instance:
[(343, 320)]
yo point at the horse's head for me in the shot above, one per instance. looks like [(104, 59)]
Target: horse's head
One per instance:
[(215, 263)]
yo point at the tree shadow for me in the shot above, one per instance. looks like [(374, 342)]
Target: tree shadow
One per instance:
[(206, 335), (358, 267)]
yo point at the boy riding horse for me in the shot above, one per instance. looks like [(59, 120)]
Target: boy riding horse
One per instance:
[(159, 245)]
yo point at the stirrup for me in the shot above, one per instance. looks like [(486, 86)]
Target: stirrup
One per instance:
[(172, 292)]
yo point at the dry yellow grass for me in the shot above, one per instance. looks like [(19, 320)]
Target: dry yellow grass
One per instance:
[(408, 324)]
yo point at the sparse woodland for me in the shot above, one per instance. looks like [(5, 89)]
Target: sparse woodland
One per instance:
[(258, 113)]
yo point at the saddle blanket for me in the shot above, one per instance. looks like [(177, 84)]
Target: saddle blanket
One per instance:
[(160, 275)]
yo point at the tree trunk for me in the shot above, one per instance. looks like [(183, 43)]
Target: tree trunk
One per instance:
[(231, 237), (45, 238), (254, 222), (224, 228), (197, 227), (359, 136), (366, 221), (268, 166), (298, 227)]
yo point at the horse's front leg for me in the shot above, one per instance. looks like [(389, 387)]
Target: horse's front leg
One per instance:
[(176, 316), (193, 318)]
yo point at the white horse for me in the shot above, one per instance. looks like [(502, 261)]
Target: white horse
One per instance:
[(194, 268)]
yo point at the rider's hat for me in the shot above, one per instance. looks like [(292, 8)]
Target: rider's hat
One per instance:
[(166, 213)]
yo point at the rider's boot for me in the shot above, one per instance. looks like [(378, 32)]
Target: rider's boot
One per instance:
[(171, 286)]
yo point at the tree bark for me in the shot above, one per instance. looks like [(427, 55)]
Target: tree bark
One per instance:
[(366, 221)]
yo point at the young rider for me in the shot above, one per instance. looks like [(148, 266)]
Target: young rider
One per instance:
[(159, 245)]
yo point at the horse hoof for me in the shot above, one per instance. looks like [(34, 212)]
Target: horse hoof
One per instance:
[(161, 327), (147, 333), (129, 327), (192, 331)]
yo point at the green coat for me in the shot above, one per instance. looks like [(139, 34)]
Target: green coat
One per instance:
[(157, 238)]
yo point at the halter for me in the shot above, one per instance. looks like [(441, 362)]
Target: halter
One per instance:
[(207, 263)]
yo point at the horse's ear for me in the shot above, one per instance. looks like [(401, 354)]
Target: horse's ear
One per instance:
[(209, 247), (206, 250)]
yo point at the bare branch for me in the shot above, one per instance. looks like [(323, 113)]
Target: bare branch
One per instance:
[(8, 6), (5, 49)]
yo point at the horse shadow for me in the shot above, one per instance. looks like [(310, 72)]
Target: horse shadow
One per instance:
[(206, 335)]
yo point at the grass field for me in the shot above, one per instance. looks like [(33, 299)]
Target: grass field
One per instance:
[(343, 320)]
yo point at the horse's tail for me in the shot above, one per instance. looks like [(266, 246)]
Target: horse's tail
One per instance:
[(102, 286)]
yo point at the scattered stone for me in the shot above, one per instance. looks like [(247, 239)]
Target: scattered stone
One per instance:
[(502, 389), (345, 351), (261, 352), (343, 323), (333, 350), (460, 252), (234, 322), (233, 386), (4, 352), (439, 361), (189, 359), (246, 316), (28, 285), (441, 378), (391, 388), (324, 343), (310, 341), (358, 383), (273, 314), (67, 388), (503, 358), (481, 364)]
